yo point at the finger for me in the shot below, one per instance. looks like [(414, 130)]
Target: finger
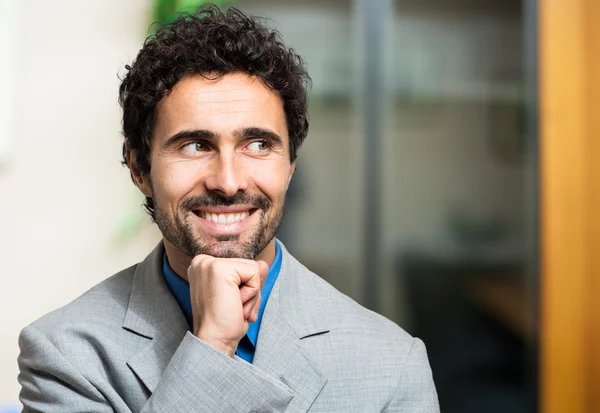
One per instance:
[(252, 285), (251, 289), (196, 263), (253, 307), (254, 304), (249, 273), (252, 280), (263, 269), (249, 307), (256, 308), (200, 258), (248, 292)]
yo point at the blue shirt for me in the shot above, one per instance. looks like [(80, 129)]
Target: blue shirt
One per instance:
[(181, 292)]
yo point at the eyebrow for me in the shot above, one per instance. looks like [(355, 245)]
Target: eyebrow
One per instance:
[(254, 132), (240, 134), (190, 134)]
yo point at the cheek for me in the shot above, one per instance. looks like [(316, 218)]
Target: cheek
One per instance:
[(272, 182), (174, 181)]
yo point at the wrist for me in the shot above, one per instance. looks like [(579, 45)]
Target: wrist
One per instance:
[(226, 347)]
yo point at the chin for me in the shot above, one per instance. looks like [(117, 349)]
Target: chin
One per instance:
[(228, 247)]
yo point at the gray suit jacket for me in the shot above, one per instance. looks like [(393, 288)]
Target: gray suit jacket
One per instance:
[(124, 346)]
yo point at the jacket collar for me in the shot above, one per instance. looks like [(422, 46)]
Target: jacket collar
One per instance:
[(294, 311), (152, 309), (299, 298)]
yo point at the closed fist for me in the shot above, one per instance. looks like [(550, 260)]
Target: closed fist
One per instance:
[(225, 295)]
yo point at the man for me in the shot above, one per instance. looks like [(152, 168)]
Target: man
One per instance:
[(219, 317)]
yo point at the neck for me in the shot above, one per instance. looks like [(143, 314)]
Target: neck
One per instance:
[(180, 262)]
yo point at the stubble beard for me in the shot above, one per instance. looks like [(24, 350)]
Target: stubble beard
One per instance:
[(179, 231)]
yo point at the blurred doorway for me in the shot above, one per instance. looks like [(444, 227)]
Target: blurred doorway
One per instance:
[(460, 201), (416, 190)]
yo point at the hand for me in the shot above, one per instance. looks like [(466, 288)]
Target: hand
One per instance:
[(225, 295)]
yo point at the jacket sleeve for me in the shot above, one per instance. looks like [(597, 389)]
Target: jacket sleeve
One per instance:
[(201, 379), (415, 392), (197, 379), (49, 382)]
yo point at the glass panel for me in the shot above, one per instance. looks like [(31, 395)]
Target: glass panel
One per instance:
[(457, 236), (416, 189)]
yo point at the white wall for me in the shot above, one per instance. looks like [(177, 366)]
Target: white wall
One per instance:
[(63, 193)]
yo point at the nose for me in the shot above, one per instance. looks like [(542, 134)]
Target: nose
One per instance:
[(226, 175)]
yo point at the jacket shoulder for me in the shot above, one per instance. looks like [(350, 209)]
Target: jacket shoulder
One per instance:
[(104, 305), (346, 316)]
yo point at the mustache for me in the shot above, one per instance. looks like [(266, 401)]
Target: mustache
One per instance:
[(216, 199)]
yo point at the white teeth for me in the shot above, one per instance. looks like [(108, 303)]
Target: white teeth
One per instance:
[(224, 218)]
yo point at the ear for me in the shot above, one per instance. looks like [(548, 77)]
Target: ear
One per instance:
[(292, 170), (141, 180)]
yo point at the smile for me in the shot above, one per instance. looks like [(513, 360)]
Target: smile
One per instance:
[(225, 220), (231, 218)]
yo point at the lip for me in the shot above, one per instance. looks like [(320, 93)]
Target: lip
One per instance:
[(234, 209), (224, 229)]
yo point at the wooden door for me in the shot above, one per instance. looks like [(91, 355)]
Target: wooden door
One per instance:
[(569, 69)]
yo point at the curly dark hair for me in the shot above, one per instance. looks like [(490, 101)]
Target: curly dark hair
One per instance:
[(210, 43)]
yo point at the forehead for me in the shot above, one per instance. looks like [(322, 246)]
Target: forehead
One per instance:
[(222, 105)]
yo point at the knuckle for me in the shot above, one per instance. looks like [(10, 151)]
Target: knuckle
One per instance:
[(220, 266), (198, 260), (202, 264)]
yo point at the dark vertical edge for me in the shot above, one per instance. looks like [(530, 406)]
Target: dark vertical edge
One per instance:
[(371, 16), (532, 193)]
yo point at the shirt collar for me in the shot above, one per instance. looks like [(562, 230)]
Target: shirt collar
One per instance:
[(181, 292)]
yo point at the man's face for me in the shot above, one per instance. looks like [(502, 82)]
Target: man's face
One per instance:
[(220, 166)]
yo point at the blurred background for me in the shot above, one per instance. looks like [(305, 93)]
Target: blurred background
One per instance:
[(416, 191)]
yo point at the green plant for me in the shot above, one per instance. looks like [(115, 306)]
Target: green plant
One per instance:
[(166, 10)]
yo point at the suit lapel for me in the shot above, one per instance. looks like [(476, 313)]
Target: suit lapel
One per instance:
[(154, 314), (290, 316)]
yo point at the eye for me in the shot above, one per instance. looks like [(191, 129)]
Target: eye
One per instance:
[(195, 147), (259, 146)]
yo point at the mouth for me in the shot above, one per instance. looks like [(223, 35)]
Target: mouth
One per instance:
[(225, 220)]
